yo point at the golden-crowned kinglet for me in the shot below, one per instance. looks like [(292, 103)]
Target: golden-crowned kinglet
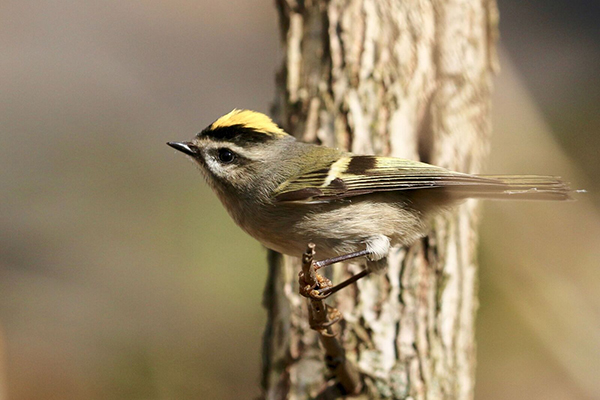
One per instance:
[(286, 193)]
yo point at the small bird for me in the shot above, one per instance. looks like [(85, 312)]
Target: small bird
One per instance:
[(286, 193)]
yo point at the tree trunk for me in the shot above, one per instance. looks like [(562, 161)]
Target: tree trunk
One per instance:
[(409, 79)]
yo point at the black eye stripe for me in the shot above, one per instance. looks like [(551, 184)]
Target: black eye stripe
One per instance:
[(237, 134)]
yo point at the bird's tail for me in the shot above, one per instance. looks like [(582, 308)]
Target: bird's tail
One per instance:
[(517, 187)]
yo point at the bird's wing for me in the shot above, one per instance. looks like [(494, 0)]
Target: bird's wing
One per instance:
[(358, 175)]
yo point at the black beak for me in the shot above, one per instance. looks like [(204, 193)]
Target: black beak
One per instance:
[(185, 147)]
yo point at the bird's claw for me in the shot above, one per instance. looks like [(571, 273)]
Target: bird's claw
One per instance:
[(333, 317), (311, 291)]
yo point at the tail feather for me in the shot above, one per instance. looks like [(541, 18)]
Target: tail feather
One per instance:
[(517, 187)]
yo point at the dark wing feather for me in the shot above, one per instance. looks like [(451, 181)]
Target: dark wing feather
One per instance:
[(359, 175)]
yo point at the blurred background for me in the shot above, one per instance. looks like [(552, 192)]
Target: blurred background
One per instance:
[(110, 287)]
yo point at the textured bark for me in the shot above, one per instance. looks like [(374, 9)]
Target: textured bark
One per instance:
[(408, 79)]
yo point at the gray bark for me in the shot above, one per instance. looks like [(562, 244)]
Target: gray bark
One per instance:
[(409, 79)]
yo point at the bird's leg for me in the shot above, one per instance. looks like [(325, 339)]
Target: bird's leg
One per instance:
[(323, 287), (343, 257), (328, 291)]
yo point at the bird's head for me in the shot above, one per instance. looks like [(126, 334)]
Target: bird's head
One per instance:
[(237, 150)]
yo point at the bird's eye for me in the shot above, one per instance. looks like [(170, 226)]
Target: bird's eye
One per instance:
[(226, 156)]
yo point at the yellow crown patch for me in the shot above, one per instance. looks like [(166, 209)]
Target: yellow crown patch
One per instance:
[(249, 119)]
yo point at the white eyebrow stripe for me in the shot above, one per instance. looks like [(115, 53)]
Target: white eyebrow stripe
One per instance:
[(212, 145)]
